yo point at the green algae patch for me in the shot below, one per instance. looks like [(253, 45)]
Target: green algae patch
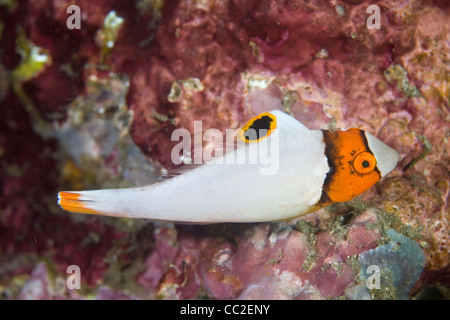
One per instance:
[(398, 74)]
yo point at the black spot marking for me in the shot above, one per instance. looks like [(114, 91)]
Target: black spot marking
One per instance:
[(259, 128)]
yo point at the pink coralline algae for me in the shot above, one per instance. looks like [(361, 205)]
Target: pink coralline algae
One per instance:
[(95, 108)]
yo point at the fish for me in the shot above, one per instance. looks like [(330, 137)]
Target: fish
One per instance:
[(308, 170)]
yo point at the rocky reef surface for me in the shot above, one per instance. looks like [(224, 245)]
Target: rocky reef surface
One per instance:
[(95, 106)]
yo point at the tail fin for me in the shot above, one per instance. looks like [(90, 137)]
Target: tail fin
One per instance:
[(86, 202)]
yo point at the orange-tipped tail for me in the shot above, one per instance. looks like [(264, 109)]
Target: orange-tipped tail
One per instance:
[(71, 201)]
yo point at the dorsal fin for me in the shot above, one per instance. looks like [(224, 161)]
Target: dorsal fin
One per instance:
[(287, 123), (261, 126)]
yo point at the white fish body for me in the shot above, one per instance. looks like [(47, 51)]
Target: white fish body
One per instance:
[(220, 192)]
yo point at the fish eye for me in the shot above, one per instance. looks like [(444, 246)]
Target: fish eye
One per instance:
[(364, 162)]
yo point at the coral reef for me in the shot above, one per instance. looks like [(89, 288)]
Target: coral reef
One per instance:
[(95, 107), (402, 260)]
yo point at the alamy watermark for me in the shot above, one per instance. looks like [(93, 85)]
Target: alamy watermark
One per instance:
[(232, 149), (218, 150), (374, 21), (374, 280), (74, 277), (74, 20)]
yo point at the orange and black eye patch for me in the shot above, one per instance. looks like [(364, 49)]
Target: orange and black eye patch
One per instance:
[(258, 128), (353, 167), (364, 163)]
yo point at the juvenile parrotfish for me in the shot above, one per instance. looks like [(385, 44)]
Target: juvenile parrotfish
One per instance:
[(314, 169)]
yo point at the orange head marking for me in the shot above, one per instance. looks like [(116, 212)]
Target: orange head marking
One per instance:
[(353, 167)]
